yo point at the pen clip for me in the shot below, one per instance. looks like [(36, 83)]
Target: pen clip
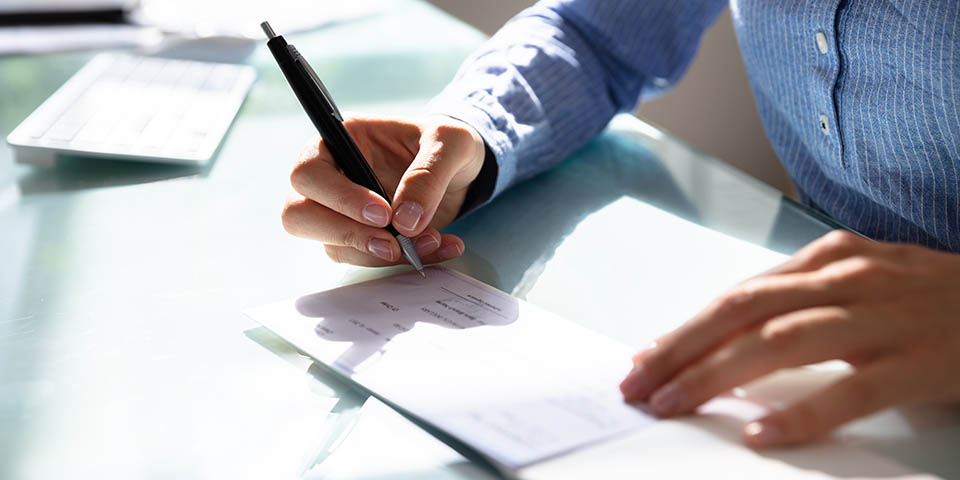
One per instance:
[(316, 80)]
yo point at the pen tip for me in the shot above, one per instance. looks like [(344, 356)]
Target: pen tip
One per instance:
[(424, 275)]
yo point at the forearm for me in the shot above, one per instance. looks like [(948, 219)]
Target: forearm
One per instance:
[(553, 77)]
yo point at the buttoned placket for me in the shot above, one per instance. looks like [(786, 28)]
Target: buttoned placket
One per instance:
[(824, 84)]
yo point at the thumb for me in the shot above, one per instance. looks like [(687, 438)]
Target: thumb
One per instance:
[(443, 152)]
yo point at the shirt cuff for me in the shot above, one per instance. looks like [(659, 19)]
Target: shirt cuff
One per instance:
[(480, 190), (499, 169)]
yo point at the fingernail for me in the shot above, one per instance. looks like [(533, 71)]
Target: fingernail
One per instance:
[(667, 400), (408, 215), (449, 251), (634, 385), (376, 214), (380, 248), (425, 244), (762, 433)]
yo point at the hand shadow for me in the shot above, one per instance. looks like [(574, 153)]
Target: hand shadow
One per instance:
[(349, 314)]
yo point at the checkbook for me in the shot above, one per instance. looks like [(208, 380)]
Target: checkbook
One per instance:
[(512, 382)]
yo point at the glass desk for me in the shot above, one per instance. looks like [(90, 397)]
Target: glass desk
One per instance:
[(123, 352)]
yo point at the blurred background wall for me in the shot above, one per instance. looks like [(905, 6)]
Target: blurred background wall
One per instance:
[(711, 108)]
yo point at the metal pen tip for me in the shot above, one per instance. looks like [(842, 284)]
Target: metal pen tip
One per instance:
[(268, 30), (406, 246)]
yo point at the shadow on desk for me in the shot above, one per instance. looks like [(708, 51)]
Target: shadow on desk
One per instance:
[(72, 173), (829, 457)]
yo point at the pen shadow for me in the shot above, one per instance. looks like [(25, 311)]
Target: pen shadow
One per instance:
[(369, 325), (510, 240)]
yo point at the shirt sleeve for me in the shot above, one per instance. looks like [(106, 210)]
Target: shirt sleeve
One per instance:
[(556, 74)]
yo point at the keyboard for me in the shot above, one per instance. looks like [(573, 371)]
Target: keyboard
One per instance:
[(136, 108)]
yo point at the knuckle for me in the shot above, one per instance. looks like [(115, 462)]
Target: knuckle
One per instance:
[(657, 361), (299, 175), (420, 180), (451, 131), (738, 299), (334, 253), (421, 172), (355, 126), (289, 216), (349, 238), (353, 123), (838, 242), (860, 268), (780, 335), (339, 202), (431, 153), (857, 270), (457, 139)]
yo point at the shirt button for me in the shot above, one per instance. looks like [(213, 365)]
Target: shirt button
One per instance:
[(824, 127), (822, 42)]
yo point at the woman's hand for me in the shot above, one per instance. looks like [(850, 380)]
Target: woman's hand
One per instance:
[(426, 165), (890, 310)]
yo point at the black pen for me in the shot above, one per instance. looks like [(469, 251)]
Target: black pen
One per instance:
[(318, 104)]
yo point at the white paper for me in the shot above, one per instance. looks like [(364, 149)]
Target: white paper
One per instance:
[(653, 272), (514, 382)]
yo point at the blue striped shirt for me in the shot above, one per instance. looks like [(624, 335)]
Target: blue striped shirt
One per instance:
[(860, 98)]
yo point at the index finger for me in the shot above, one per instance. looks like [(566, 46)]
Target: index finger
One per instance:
[(317, 177), (751, 302)]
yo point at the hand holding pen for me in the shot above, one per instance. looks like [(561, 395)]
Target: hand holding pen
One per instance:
[(427, 166)]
